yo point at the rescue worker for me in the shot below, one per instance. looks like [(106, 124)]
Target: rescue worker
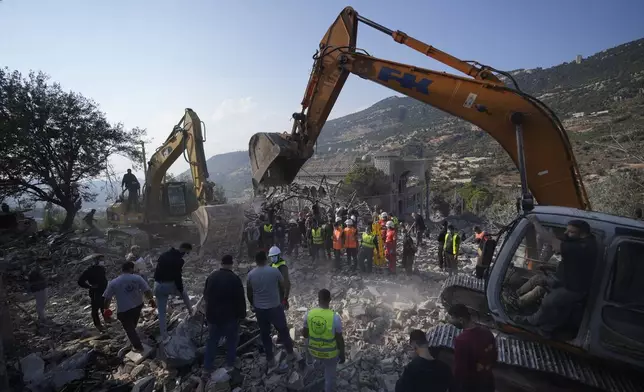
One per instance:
[(37, 284), (276, 261), (395, 221), (368, 245), (327, 236), (294, 238), (267, 234), (351, 244), (390, 246), (480, 238), (475, 353), (379, 260), (451, 247), (129, 290), (94, 279), (279, 232), (131, 183), (441, 245), (316, 239), (419, 226), (323, 329), (301, 224), (252, 237), (409, 251), (338, 242), (89, 219), (384, 217)]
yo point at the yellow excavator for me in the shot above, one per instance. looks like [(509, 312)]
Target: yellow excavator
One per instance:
[(602, 347), (166, 204)]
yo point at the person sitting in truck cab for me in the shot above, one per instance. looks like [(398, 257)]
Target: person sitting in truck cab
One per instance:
[(572, 280)]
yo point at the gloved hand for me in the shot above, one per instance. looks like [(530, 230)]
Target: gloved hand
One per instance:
[(152, 303), (107, 314), (285, 303)]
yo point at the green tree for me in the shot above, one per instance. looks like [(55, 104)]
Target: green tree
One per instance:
[(367, 181), (53, 141)]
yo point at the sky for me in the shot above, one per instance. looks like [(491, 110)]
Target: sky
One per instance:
[(243, 65)]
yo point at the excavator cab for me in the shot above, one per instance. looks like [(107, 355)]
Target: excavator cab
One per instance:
[(609, 321)]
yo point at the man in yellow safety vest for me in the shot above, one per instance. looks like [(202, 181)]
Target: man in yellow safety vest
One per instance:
[(450, 248), (323, 329), (317, 240), (368, 244)]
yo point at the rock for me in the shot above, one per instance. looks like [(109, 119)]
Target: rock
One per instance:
[(388, 382), (272, 381), (387, 364), (144, 385), (61, 378), (354, 311), (295, 382), (138, 369), (137, 358), (32, 367)]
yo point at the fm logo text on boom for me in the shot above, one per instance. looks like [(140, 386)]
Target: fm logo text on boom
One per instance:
[(406, 80)]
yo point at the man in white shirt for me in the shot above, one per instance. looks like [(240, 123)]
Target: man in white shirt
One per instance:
[(129, 289)]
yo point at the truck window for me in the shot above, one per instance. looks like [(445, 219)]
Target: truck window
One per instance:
[(628, 275)]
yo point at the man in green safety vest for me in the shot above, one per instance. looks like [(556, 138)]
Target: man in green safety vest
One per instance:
[(395, 220), (369, 242), (450, 248), (267, 235), (317, 240), (323, 330)]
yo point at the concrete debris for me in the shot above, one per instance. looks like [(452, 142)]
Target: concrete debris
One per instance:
[(377, 311)]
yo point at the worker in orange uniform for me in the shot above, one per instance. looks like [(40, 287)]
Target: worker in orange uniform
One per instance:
[(338, 241), (390, 246), (351, 244)]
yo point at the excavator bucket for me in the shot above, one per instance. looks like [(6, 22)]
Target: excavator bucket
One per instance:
[(274, 161), (220, 228)]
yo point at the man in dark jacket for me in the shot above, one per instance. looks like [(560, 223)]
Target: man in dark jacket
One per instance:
[(279, 230), (225, 307), (294, 238), (441, 245), (419, 223), (168, 281), (38, 287), (424, 373), (94, 278)]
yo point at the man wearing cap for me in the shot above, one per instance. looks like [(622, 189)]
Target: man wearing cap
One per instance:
[(94, 279)]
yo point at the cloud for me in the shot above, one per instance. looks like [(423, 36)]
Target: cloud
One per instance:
[(229, 108)]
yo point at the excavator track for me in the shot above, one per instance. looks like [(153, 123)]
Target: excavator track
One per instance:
[(469, 291), (533, 366)]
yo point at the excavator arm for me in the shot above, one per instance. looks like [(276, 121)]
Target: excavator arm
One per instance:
[(527, 129), (186, 139)]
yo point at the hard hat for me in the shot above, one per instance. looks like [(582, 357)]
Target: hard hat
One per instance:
[(383, 215), (353, 217), (390, 224), (292, 221), (338, 219), (348, 222), (274, 251)]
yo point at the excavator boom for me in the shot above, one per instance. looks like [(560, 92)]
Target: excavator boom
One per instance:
[(544, 154)]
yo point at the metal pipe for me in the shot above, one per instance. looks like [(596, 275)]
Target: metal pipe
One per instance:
[(375, 25)]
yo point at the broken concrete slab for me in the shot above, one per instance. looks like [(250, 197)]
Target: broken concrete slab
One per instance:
[(137, 358)]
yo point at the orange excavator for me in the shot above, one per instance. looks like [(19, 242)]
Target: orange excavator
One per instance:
[(600, 342)]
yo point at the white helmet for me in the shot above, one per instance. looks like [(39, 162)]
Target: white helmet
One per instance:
[(353, 218), (348, 222), (390, 224), (338, 219), (274, 251), (292, 221), (384, 215)]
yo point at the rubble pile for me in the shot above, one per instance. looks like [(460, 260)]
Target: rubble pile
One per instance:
[(377, 310)]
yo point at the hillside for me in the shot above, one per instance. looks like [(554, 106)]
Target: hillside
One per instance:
[(611, 80)]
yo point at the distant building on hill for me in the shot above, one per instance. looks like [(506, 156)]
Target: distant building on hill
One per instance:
[(409, 177)]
